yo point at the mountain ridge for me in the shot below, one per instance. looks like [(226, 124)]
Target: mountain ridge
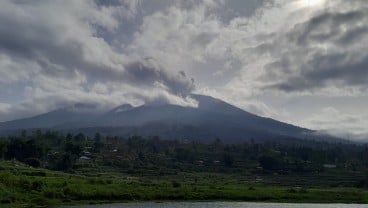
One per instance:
[(213, 118)]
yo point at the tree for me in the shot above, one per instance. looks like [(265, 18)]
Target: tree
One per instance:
[(97, 144), (183, 154), (79, 138), (15, 150), (34, 162), (3, 148), (24, 133), (217, 145), (21, 149), (270, 163), (69, 137), (153, 144), (74, 149), (228, 159), (66, 162)]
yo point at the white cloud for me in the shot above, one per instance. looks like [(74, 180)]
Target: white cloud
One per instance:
[(338, 123), (58, 52), (258, 55), (15, 70)]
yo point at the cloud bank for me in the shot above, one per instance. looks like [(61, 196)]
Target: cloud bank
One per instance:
[(289, 60), (56, 53)]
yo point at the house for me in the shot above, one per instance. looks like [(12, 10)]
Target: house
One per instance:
[(84, 158)]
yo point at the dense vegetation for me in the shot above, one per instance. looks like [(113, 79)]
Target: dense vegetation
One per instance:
[(51, 168)]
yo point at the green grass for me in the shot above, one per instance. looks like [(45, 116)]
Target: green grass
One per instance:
[(22, 186)]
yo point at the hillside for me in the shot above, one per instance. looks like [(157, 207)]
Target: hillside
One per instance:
[(213, 118)]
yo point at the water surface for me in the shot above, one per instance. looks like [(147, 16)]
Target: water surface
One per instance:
[(218, 205)]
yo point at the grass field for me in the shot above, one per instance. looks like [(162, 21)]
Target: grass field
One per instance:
[(22, 186)]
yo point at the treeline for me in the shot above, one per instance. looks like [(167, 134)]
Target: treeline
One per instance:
[(48, 149), (56, 151)]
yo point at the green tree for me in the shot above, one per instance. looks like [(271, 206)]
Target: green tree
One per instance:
[(3, 148), (66, 162), (268, 162), (97, 144), (72, 148), (79, 138), (69, 137), (228, 159)]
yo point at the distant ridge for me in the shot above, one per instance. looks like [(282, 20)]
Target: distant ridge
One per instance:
[(213, 118)]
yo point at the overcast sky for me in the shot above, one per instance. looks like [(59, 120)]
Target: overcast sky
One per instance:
[(300, 61)]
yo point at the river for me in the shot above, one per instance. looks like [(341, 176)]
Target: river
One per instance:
[(217, 205)]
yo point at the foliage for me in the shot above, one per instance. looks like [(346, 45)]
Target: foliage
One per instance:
[(104, 168)]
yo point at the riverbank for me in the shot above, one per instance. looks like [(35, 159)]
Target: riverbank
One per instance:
[(22, 186), (216, 205)]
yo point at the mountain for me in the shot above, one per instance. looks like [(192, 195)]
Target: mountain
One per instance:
[(68, 116), (212, 119)]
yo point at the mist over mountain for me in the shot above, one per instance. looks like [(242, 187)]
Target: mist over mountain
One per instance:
[(213, 118)]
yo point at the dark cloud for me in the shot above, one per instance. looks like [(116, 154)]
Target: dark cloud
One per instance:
[(240, 8), (30, 31), (57, 53), (65, 45), (340, 27), (327, 50), (147, 72)]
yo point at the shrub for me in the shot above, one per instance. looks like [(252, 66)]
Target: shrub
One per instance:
[(175, 184), (39, 201), (291, 190), (24, 184), (303, 190), (251, 188), (36, 185), (7, 200), (34, 162)]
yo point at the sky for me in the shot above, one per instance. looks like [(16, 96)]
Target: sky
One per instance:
[(304, 62)]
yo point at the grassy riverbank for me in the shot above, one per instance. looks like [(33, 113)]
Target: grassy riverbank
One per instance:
[(22, 186), (44, 169)]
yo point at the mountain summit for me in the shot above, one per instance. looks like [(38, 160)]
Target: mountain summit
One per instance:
[(213, 118)]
